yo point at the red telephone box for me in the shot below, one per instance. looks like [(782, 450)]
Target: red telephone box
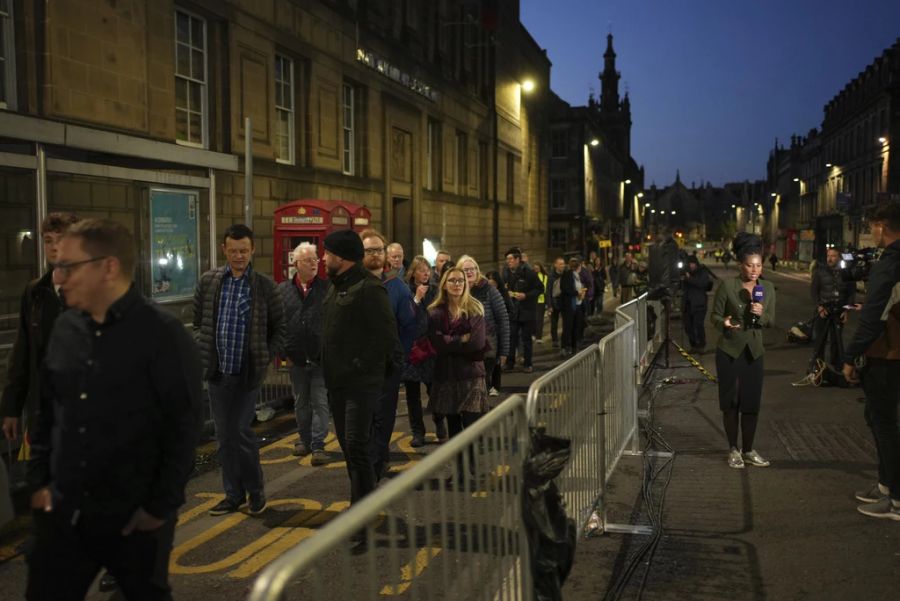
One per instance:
[(310, 221)]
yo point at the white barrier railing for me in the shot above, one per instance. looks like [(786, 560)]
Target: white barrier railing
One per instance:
[(449, 528)]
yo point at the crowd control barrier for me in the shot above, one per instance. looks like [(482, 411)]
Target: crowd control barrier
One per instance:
[(450, 528)]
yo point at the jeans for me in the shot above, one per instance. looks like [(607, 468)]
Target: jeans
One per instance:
[(881, 383), (352, 412), (233, 410), (383, 423), (64, 560), (525, 329), (310, 405)]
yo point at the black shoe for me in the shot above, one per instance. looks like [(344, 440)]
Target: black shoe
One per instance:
[(257, 504), (440, 431), (108, 583), (509, 367), (226, 505), (359, 543), (418, 440)]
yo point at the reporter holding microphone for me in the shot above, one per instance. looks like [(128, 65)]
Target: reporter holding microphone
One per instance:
[(741, 308)]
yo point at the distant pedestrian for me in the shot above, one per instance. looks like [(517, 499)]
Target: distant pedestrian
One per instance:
[(695, 284), (457, 332), (554, 292), (42, 302), (360, 350), (523, 287), (117, 429), (239, 321), (495, 377), (773, 259), (303, 297), (374, 246), (739, 355), (541, 307), (419, 364), (496, 318)]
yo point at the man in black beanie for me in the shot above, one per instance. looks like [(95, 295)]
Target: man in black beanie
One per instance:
[(360, 347)]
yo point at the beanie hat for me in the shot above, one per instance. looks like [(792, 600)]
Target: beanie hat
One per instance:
[(346, 244)]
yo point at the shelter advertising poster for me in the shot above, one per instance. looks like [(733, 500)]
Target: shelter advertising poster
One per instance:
[(174, 234)]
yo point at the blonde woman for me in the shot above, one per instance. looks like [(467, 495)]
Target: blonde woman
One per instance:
[(456, 329), (496, 318)]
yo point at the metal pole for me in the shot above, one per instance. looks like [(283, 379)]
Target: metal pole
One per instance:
[(495, 221), (248, 174), (41, 203), (213, 230)]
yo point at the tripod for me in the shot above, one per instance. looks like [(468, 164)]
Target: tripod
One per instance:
[(829, 349)]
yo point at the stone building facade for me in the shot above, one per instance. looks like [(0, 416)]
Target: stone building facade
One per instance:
[(417, 110)]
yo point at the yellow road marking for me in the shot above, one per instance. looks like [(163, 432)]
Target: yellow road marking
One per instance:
[(409, 571), (192, 513)]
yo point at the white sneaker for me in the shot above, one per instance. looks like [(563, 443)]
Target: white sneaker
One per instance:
[(493, 392)]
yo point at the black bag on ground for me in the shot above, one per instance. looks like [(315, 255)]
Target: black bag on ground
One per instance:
[(551, 533)]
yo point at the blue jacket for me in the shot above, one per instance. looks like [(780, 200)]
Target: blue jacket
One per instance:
[(401, 301)]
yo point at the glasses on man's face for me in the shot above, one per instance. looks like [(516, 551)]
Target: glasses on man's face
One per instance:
[(65, 269), (456, 281), (309, 261), (375, 251)]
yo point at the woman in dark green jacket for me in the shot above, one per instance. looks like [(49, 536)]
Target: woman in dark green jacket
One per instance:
[(739, 354)]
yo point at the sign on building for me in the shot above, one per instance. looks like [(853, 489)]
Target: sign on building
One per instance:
[(174, 234)]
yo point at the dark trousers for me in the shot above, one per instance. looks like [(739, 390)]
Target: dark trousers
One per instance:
[(573, 324), (352, 413), (520, 331), (383, 424), (233, 410), (554, 324), (693, 320), (64, 559), (827, 333), (539, 321), (414, 407), (881, 383), (740, 381)]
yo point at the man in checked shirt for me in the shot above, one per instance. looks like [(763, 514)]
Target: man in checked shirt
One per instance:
[(238, 318)]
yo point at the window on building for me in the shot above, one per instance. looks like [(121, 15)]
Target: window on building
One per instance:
[(557, 193), (433, 156), (7, 57), (510, 177), (349, 115), (559, 143), (482, 170), (558, 237), (462, 162), (284, 109), (190, 79)]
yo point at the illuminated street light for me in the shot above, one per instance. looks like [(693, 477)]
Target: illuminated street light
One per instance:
[(773, 194), (796, 179), (528, 85), (733, 206), (652, 210), (647, 204), (828, 165), (627, 181), (595, 142), (882, 139), (640, 195), (673, 212)]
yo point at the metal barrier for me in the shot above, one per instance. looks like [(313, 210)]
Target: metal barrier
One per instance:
[(449, 528)]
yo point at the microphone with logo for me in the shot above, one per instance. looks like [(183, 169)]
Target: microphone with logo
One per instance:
[(756, 296)]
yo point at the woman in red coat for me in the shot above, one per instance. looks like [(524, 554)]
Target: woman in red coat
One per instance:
[(456, 329)]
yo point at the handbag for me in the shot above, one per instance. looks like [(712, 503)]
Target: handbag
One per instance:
[(421, 351)]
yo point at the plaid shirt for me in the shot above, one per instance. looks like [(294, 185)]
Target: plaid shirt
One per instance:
[(231, 326)]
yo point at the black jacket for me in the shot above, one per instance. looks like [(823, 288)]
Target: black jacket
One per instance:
[(829, 287), (303, 316), (39, 309), (360, 341), (523, 279), (884, 275), (695, 286), (120, 413)]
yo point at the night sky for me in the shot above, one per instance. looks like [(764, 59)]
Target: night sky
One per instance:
[(713, 82)]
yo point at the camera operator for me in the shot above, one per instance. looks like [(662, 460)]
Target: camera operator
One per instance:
[(831, 293), (695, 283), (873, 357)]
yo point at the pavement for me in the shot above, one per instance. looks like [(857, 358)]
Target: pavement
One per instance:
[(789, 531)]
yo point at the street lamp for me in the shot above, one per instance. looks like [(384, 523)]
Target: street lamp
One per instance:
[(528, 86), (829, 165), (796, 179), (882, 139), (647, 204), (773, 194), (627, 181), (640, 195), (595, 142)]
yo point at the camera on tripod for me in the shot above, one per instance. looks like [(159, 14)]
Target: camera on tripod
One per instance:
[(855, 265)]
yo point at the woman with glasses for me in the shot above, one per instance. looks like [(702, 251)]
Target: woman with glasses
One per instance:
[(456, 330), (496, 317), (418, 371)]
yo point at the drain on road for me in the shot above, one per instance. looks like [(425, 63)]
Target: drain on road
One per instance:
[(824, 442)]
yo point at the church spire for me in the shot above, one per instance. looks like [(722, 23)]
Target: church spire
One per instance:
[(609, 78)]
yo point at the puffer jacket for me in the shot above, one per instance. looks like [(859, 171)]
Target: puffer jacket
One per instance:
[(265, 333), (303, 318), (496, 316)]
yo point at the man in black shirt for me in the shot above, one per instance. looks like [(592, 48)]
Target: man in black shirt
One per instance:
[(116, 430)]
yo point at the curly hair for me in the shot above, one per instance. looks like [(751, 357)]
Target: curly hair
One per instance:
[(745, 245)]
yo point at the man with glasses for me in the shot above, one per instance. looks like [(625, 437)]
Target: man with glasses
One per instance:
[(117, 429), (303, 312), (401, 301), (359, 347), (239, 321)]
